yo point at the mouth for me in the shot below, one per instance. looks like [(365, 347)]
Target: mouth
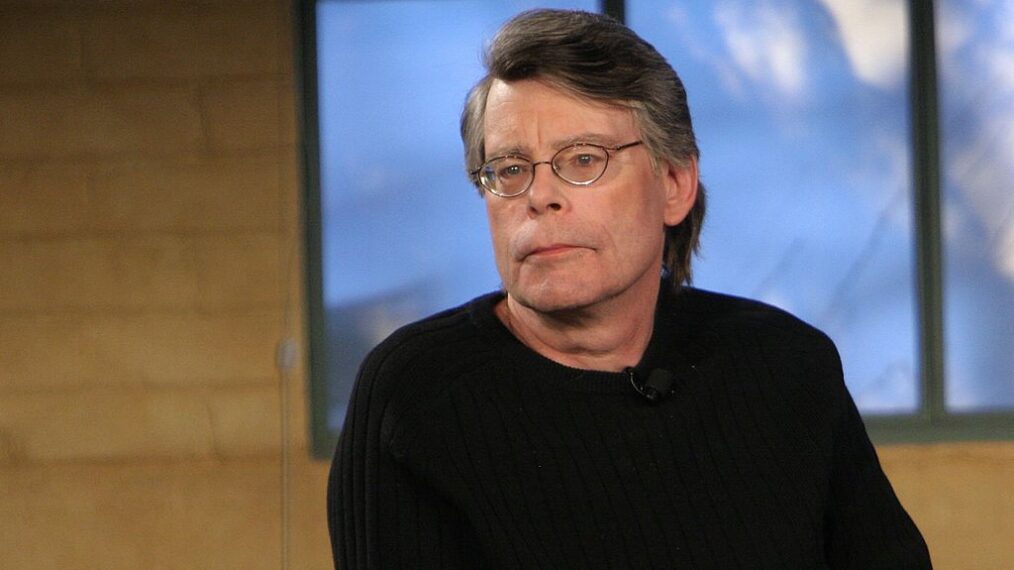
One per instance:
[(552, 250)]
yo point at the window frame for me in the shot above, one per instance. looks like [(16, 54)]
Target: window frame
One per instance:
[(322, 441), (931, 423)]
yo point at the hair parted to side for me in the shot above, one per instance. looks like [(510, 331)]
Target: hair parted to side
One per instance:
[(595, 56)]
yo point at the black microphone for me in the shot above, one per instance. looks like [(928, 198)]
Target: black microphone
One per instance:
[(656, 387)]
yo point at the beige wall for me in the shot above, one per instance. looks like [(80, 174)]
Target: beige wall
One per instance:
[(149, 256), (149, 243)]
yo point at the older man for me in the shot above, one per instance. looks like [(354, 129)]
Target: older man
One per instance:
[(597, 412)]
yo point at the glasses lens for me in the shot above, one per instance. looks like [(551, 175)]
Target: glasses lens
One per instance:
[(507, 176), (581, 163)]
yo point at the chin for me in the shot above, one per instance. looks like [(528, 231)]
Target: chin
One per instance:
[(556, 299)]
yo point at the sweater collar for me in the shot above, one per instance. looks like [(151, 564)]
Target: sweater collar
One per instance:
[(674, 344)]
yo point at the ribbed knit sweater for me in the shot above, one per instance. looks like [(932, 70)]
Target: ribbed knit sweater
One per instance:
[(463, 448)]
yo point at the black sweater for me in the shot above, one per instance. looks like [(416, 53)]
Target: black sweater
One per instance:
[(462, 448)]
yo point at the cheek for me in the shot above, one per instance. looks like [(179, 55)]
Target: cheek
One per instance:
[(636, 227), (499, 231), (633, 215)]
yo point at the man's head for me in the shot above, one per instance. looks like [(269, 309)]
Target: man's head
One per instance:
[(598, 61)]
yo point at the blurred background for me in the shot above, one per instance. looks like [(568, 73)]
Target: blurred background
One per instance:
[(158, 159)]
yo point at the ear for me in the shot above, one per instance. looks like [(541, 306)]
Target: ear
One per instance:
[(680, 184)]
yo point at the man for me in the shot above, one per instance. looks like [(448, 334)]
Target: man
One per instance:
[(597, 412)]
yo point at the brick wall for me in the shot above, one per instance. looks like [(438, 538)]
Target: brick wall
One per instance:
[(149, 249), (149, 246)]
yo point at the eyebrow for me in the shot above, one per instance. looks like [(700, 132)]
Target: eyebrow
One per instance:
[(588, 137), (596, 138)]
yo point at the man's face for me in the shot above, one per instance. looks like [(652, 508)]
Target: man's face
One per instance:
[(563, 247)]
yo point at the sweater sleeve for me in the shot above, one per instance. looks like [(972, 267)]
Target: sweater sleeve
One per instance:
[(380, 514), (866, 525)]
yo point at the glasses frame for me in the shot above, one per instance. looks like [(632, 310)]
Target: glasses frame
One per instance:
[(479, 180)]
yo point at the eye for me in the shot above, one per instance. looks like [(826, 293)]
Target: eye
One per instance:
[(510, 171), (582, 160)]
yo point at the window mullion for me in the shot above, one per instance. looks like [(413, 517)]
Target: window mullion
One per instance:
[(614, 8), (926, 180)]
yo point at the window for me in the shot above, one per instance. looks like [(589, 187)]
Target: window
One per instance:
[(401, 230), (803, 128), (818, 198), (976, 77)]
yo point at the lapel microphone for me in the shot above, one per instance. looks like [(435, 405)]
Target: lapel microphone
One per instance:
[(661, 382), (656, 387)]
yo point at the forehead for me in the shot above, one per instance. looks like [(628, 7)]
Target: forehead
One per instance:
[(532, 113)]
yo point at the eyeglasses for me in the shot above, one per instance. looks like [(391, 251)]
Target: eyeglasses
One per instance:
[(580, 164)]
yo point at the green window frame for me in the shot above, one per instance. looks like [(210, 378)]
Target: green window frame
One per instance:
[(931, 423)]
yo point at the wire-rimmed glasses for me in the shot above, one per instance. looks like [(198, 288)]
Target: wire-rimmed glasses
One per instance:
[(579, 164)]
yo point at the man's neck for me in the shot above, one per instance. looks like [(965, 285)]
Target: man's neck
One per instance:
[(610, 336)]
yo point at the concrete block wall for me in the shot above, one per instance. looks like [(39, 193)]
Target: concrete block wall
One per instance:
[(149, 264)]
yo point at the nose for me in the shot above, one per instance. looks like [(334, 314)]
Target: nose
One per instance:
[(545, 194)]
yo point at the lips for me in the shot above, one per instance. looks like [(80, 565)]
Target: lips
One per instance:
[(552, 249), (530, 242)]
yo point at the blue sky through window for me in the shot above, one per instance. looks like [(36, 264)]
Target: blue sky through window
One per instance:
[(975, 42), (801, 111), (803, 128), (404, 231)]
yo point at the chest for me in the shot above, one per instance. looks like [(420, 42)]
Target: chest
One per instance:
[(705, 480)]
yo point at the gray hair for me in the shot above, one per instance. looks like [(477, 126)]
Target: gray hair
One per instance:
[(596, 57)]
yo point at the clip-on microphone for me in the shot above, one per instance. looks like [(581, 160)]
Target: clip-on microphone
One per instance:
[(656, 387)]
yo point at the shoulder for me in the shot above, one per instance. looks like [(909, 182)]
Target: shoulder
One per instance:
[(728, 315), (791, 369), (763, 343), (421, 359), (434, 343), (422, 334)]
